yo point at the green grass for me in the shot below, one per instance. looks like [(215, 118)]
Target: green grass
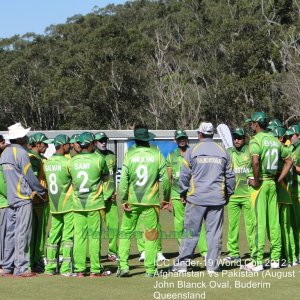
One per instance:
[(139, 287)]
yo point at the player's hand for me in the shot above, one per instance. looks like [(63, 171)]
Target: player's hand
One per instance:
[(183, 199), (114, 197), (165, 205), (170, 209), (126, 206), (252, 183)]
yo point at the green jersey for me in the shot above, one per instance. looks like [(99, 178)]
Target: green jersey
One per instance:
[(242, 166), (37, 161), (87, 171), (110, 159), (294, 182), (174, 161), (59, 181), (140, 174), (269, 150), (3, 199)]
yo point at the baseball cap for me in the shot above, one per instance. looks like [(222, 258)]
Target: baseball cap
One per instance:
[(61, 139), (142, 134), (180, 133), (86, 138), (100, 136), (238, 131), (278, 131), (274, 123), (74, 138), (258, 116), (294, 129), (40, 138), (206, 128)]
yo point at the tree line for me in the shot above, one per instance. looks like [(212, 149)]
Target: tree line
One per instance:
[(167, 63)]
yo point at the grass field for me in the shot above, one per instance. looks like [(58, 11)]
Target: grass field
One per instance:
[(269, 284)]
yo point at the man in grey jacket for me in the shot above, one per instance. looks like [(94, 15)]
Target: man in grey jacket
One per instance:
[(21, 183), (206, 182)]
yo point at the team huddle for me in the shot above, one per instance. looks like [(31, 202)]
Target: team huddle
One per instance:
[(77, 187)]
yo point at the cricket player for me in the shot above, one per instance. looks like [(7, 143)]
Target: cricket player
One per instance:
[(60, 192), (293, 133), (139, 194), (110, 195), (174, 162), (240, 199), (266, 151), (88, 171), (3, 203), (39, 144), (285, 204)]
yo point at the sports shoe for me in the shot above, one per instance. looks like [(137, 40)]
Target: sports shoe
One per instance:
[(180, 267), (150, 275), (79, 274), (112, 257), (122, 273), (69, 274), (293, 264), (275, 265), (233, 259), (142, 256), (26, 274), (160, 257), (252, 268), (104, 273)]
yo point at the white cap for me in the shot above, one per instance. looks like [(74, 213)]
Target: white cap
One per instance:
[(206, 128), (16, 131)]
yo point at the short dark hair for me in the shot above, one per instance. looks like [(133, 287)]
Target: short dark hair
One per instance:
[(1, 138)]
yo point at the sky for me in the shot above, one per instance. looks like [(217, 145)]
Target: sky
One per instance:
[(22, 16)]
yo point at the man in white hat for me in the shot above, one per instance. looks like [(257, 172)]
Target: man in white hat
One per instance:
[(206, 181), (21, 183)]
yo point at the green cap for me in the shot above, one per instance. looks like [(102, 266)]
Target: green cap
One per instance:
[(180, 133), (142, 134), (40, 138), (274, 123), (258, 116), (74, 138), (61, 139), (294, 129), (86, 138), (238, 131), (278, 131), (100, 136)]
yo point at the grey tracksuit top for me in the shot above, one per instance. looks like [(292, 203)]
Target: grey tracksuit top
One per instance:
[(19, 177), (207, 175)]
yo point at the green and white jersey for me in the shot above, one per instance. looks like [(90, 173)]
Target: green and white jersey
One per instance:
[(174, 161), (110, 159), (3, 199), (294, 182), (270, 150), (59, 182), (242, 166), (87, 171), (143, 165)]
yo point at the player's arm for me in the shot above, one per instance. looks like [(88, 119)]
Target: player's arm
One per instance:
[(288, 163), (124, 185), (229, 177), (255, 151), (185, 175)]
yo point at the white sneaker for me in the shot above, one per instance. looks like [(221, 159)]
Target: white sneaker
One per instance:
[(293, 264), (179, 267), (232, 259), (142, 256), (160, 256), (275, 265), (251, 267)]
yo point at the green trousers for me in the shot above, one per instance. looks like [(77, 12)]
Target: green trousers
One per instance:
[(87, 229), (296, 224), (288, 242), (112, 225), (266, 216), (141, 239), (178, 213), (40, 218), (235, 207), (148, 217), (61, 232)]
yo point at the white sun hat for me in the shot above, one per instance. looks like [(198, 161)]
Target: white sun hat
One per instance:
[(16, 131), (206, 128)]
